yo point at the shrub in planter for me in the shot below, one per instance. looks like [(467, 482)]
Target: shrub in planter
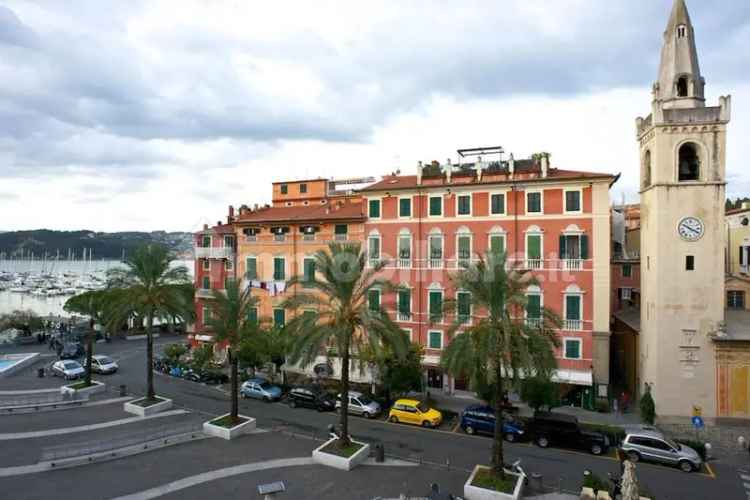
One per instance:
[(648, 407)]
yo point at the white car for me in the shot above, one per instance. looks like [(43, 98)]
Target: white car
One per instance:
[(67, 369), (359, 404), (103, 364)]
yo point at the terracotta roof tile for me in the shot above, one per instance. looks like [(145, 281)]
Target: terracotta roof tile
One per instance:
[(310, 213)]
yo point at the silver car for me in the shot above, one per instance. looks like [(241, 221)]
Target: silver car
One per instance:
[(67, 369), (359, 404), (653, 446), (103, 364)]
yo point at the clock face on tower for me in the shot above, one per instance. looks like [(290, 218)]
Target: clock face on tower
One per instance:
[(690, 229)]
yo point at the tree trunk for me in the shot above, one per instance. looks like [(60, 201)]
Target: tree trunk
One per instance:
[(498, 458), (235, 390), (89, 351), (344, 416), (150, 394)]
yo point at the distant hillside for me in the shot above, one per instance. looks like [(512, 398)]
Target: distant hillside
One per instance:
[(100, 245)]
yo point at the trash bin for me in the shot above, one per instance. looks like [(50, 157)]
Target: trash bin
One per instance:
[(123, 390), (40, 372), (379, 453)]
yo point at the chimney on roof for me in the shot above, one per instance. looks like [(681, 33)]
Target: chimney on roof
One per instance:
[(419, 173), (230, 215), (511, 165), (218, 223), (205, 227), (448, 170), (545, 164), (480, 168)]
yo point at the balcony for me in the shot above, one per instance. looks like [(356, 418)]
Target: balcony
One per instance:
[(572, 264), (573, 325), (534, 322), (207, 293), (341, 237), (435, 263), (533, 264), (214, 252), (404, 263), (403, 316)]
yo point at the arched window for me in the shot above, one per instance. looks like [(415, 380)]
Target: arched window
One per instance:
[(689, 163), (647, 169), (682, 87)]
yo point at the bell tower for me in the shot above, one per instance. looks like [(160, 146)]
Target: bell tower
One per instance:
[(683, 154)]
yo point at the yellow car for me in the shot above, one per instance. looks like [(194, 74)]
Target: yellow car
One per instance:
[(414, 412)]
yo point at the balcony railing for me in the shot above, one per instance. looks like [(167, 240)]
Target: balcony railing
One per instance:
[(308, 237), (534, 322), (404, 263), (341, 237), (279, 237), (435, 263), (372, 262), (251, 238), (533, 263), (204, 293), (214, 252), (403, 316), (572, 264), (573, 325)]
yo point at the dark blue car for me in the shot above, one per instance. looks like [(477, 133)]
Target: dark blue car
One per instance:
[(478, 419)]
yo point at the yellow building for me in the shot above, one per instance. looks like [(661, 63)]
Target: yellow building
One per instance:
[(738, 240)]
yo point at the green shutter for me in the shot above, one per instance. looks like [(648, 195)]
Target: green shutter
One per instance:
[(309, 270), (498, 204), (341, 229), (534, 202), (464, 247), (279, 317), (206, 242), (436, 340), (404, 302), (573, 307), (436, 247), (278, 269), (464, 305), (374, 300), (404, 207), (584, 247), (563, 247), (436, 306), (464, 205), (252, 268), (374, 209), (374, 252), (573, 349), (252, 315), (436, 206), (534, 250), (497, 244), (534, 307)]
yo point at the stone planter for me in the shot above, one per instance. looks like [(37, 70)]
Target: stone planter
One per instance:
[(342, 463), (476, 493), (144, 411), (229, 433), (95, 388)]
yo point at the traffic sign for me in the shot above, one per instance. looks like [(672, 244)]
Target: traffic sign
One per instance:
[(698, 422)]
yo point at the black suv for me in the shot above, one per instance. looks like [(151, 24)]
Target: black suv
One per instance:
[(564, 431), (311, 397)]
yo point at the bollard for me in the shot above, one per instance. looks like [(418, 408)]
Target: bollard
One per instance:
[(123, 390), (379, 452)]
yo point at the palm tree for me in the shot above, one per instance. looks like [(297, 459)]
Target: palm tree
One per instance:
[(231, 322), (338, 313), (94, 305), (500, 343), (150, 287)]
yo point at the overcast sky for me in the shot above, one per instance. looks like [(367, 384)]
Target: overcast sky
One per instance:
[(158, 114)]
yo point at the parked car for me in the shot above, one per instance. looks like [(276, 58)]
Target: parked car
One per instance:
[(361, 405), (311, 397), (478, 419), (411, 411), (260, 389), (214, 377), (653, 446), (68, 369), (72, 350), (563, 430), (103, 364)]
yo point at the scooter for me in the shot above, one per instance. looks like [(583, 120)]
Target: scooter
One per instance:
[(515, 468)]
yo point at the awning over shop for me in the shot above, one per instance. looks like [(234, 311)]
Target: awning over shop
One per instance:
[(573, 377)]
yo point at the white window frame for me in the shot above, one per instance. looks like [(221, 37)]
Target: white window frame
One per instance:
[(380, 296), (371, 260), (257, 268), (228, 265), (380, 204), (231, 236), (442, 339), (411, 207), (541, 201), (565, 350), (286, 271), (471, 307), (565, 310), (411, 305), (410, 333), (505, 203), (442, 206), (304, 261), (273, 314), (430, 291), (210, 240), (538, 293), (541, 246), (471, 247), (404, 263), (629, 293), (441, 261), (579, 190), (497, 234), (206, 315), (471, 204), (206, 265)]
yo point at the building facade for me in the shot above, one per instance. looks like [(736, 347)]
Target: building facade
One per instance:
[(682, 149), (553, 222)]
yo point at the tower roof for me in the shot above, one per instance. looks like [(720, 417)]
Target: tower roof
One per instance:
[(680, 82)]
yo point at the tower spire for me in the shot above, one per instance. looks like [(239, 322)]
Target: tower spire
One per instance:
[(680, 83)]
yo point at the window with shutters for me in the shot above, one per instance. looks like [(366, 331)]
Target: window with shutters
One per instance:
[(206, 265), (404, 250), (497, 243), (534, 202), (463, 204), (309, 271), (373, 250), (572, 349), (251, 268), (252, 315), (206, 283), (463, 300), (627, 270), (404, 305), (404, 208), (206, 315), (573, 312), (279, 317), (228, 265), (463, 245), (374, 209), (533, 251), (574, 249), (534, 309), (436, 206), (284, 189), (279, 268), (436, 306), (735, 299), (206, 242), (341, 232), (303, 188), (573, 201), (435, 339), (497, 204), (373, 300), (435, 259)]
